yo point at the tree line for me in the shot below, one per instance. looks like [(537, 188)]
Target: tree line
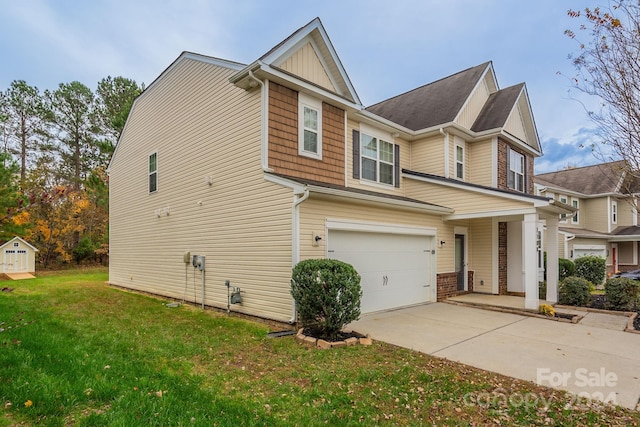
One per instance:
[(55, 148)]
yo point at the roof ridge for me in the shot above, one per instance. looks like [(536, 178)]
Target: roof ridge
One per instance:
[(581, 167)]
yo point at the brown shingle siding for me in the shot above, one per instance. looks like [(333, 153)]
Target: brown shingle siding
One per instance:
[(283, 139)]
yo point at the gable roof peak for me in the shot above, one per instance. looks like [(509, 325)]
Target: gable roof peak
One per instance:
[(312, 33)]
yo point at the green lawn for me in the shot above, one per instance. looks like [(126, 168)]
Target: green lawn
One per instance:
[(74, 351)]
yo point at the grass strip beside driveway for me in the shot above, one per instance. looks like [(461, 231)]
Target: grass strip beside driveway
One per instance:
[(74, 351)]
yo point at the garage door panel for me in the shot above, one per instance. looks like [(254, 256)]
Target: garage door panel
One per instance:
[(394, 269)]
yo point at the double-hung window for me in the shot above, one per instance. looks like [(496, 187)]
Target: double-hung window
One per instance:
[(310, 127), (575, 204), (459, 162), (563, 217), (515, 177), (614, 212), (153, 172), (377, 157)]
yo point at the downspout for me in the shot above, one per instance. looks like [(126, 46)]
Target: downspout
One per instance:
[(295, 250)]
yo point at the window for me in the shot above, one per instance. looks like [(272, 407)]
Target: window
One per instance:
[(459, 162), (614, 212), (153, 173), (515, 178), (563, 217), (310, 127), (16, 244), (575, 204), (377, 157)]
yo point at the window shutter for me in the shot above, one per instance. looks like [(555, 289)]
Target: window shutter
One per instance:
[(396, 165), (356, 154)]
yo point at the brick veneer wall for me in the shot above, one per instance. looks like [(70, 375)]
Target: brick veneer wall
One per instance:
[(283, 139), (447, 285), (502, 258), (503, 152)]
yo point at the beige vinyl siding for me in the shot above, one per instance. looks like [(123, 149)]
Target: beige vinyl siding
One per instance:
[(595, 214), (515, 124), (405, 154), (427, 155), (472, 109), (317, 209), (563, 246), (626, 253), (481, 163), (305, 63), (201, 126), (463, 201), (481, 254), (625, 213)]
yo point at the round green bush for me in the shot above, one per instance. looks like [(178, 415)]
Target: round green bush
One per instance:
[(574, 291), (566, 268), (327, 293), (622, 293), (592, 268)]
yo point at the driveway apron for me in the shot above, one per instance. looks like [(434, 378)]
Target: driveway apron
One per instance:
[(586, 360)]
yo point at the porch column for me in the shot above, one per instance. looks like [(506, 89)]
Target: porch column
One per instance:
[(529, 260), (552, 260)]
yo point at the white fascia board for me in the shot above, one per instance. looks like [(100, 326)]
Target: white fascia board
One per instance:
[(308, 87), (295, 186), (22, 240), (491, 214), (486, 191), (438, 210)]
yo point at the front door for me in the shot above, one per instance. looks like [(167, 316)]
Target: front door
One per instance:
[(460, 261), (614, 257)]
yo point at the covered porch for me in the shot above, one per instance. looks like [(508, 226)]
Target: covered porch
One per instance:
[(504, 253)]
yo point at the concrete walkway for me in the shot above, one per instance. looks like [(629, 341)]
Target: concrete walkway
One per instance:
[(580, 358)]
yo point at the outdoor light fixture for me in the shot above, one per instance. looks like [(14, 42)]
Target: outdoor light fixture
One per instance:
[(442, 243)]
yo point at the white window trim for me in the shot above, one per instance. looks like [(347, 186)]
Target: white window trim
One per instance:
[(379, 135), (614, 212), (459, 143), (149, 173), (575, 219), (305, 100), (516, 174)]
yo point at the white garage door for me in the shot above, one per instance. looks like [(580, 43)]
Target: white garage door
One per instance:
[(395, 268), (577, 253)]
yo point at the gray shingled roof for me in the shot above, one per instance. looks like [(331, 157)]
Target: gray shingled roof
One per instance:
[(433, 104), (589, 180), (632, 230), (496, 110)]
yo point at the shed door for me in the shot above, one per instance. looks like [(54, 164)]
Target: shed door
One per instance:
[(395, 268), (15, 261)]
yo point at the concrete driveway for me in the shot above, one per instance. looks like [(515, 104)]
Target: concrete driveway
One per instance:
[(583, 359)]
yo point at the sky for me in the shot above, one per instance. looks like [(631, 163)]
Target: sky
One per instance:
[(386, 47)]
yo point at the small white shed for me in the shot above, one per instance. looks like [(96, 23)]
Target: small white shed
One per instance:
[(18, 256)]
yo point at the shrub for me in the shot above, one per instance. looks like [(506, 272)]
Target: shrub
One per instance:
[(592, 268), (547, 310), (574, 291), (566, 268), (327, 293), (622, 293)]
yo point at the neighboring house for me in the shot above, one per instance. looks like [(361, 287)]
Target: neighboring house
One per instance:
[(256, 167), (18, 256), (607, 222)]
